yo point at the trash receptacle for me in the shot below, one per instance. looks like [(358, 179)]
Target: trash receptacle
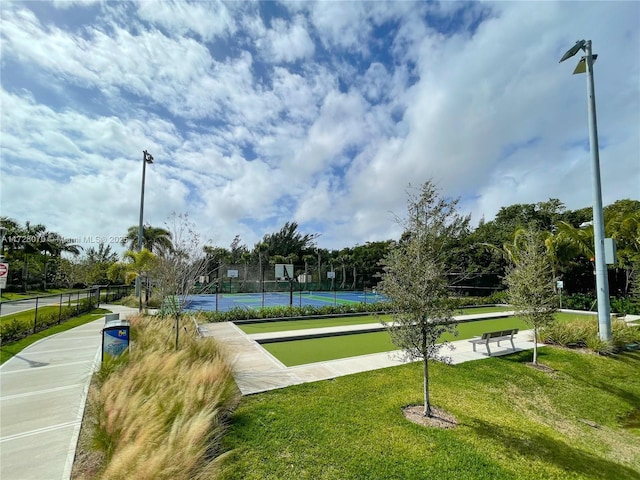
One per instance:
[(115, 336)]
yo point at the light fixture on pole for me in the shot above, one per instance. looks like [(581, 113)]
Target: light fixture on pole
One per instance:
[(585, 65), (146, 158)]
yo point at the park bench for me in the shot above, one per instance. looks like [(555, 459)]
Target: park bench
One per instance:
[(497, 337)]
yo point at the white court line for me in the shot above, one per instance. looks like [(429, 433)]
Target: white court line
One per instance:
[(40, 392), (38, 431), (33, 369)]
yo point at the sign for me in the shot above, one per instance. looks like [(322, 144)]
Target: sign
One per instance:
[(4, 273), (232, 273), (560, 284), (115, 340), (331, 274)]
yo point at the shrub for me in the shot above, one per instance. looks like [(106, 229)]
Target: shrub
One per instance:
[(243, 313), (579, 301), (584, 334), (161, 413)]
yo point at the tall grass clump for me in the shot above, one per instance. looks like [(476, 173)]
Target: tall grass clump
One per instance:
[(160, 413), (583, 333)]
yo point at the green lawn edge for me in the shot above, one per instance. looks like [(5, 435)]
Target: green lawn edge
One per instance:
[(9, 350), (514, 422)]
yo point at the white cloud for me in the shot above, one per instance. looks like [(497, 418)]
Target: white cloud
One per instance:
[(254, 122), (287, 42)]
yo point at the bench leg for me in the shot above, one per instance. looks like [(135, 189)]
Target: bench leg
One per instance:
[(487, 345), (474, 346), (512, 345)]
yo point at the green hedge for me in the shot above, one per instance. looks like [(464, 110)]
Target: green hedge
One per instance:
[(243, 313), (240, 313)]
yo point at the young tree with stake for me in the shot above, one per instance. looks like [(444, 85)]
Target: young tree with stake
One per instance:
[(530, 285), (415, 276)]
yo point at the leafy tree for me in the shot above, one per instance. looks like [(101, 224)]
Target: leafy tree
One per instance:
[(140, 264), (530, 284), (177, 270), (289, 241), (153, 238), (415, 278)]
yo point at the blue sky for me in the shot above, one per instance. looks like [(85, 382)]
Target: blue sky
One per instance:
[(317, 112)]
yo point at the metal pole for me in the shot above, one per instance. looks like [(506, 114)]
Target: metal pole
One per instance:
[(144, 170), (60, 311), (602, 279), (35, 317)]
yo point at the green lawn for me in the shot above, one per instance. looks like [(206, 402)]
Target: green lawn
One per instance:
[(514, 423), (6, 296), (287, 325), (10, 349), (299, 352)]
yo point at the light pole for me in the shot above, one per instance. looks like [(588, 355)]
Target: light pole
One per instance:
[(146, 158), (602, 280)]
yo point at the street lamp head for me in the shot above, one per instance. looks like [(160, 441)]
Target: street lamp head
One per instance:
[(573, 50)]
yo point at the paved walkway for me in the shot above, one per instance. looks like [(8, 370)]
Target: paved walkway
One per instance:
[(256, 370), (43, 391)]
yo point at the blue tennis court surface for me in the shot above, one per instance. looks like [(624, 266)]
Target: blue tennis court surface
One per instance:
[(226, 301)]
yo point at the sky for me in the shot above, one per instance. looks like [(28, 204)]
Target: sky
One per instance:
[(322, 113)]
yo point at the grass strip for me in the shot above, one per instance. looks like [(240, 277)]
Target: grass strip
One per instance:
[(10, 349), (515, 423)]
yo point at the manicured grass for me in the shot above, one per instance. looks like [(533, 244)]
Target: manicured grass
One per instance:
[(299, 352), (515, 422), (287, 325), (7, 296), (28, 315), (10, 349)]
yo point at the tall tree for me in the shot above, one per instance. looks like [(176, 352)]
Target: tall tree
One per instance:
[(530, 285), (153, 238), (289, 241), (415, 278), (139, 264)]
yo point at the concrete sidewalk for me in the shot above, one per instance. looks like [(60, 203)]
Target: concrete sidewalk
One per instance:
[(43, 391), (256, 370)]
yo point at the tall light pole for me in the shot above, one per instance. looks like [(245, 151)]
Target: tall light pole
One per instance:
[(602, 280), (146, 158)]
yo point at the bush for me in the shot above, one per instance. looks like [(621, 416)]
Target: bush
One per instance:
[(240, 313), (625, 305), (161, 413), (579, 301), (584, 334)]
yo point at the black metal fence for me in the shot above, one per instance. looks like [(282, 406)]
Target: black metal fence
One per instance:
[(23, 317)]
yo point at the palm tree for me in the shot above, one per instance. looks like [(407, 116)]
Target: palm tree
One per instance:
[(152, 238), (139, 264), (33, 235), (55, 245), (245, 258)]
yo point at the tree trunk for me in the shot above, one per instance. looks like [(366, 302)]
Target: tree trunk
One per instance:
[(44, 278), (427, 405), (535, 345)]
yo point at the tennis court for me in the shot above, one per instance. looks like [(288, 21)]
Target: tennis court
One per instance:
[(224, 301)]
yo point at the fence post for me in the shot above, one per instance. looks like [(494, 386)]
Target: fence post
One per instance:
[(60, 311), (35, 317), (77, 303)]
